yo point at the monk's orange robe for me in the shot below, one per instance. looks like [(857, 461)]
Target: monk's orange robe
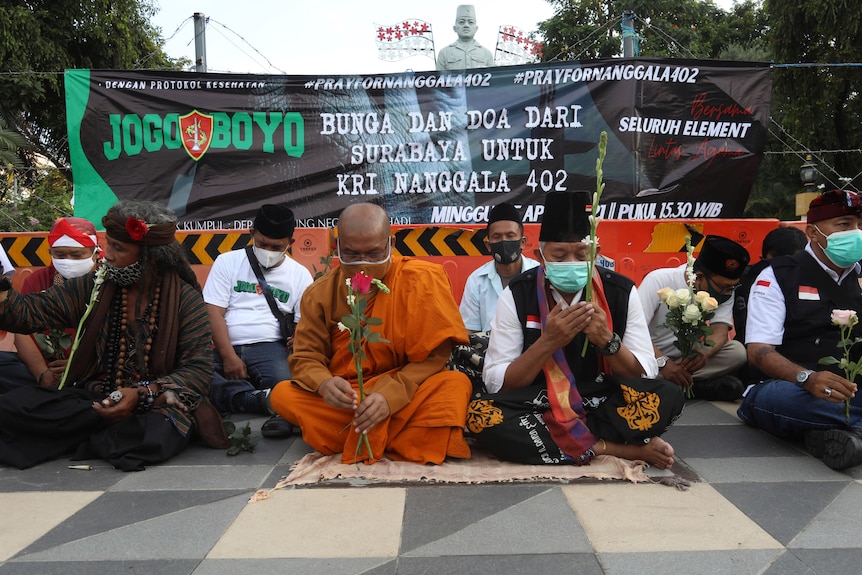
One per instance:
[(428, 404)]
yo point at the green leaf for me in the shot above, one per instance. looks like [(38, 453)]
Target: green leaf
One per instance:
[(374, 321), (350, 322), (827, 360)]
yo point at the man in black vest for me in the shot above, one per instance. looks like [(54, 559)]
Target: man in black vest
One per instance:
[(790, 329), (564, 374)]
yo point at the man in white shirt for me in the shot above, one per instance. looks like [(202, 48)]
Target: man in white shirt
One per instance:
[(791, 326), (505, 240), (711, 372), (250, 350), (6, 268), (564, 375)]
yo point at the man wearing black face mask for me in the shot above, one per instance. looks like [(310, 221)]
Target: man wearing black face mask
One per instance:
[(718, 268), (483, 288)]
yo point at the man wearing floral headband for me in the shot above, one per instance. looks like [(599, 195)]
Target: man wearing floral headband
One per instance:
[(74, 251), (796, 309), (136, 383)]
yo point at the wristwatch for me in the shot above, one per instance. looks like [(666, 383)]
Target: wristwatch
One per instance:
[(661, 361), (803, 376), (612, 347)]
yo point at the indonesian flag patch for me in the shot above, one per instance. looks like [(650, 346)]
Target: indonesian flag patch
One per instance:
[(762, 283), (809, 293), (534, 322)]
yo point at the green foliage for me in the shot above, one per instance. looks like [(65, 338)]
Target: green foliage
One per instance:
[(31, 204), (39, 39), (240, 439), (819, 106), (583, 29)]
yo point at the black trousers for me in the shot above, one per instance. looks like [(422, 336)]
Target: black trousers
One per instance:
[(38, 424)]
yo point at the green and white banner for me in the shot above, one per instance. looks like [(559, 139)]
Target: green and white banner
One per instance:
[(685, 140)]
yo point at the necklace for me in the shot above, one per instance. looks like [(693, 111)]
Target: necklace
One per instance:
[(126, 365)]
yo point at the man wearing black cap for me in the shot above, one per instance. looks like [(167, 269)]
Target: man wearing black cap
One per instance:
[(790, 328), (505, 240), (718, 268), (250, 351), (564, 375)]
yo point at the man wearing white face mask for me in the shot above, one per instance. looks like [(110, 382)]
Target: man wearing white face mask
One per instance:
[(564, 374), (790, 328), (250, 350), (74, 250)]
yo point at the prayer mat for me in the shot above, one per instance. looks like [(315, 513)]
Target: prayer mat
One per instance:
[(318, 469)]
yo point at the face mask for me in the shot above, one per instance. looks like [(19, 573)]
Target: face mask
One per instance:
[(568, 277), (267, 258), (376, 269), (843, 248), (506, 251), (720, 297), (126, 276), (69, 268)]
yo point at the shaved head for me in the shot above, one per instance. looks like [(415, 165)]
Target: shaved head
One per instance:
[(363, 219)]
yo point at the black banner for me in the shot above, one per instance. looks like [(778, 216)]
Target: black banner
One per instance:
[(685, 140)]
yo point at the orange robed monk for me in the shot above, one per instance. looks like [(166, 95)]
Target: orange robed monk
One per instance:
[(414, 409)]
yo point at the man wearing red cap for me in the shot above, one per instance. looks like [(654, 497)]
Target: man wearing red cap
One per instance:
[(790, 329), (73, 247)]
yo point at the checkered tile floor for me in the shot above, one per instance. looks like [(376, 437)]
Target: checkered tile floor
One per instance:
[(758, 506)]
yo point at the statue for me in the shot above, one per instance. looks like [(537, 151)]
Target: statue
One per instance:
[(466, 52)]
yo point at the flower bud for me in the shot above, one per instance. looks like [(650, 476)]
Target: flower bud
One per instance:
[(691, 314), (844, 317), (683, 295)]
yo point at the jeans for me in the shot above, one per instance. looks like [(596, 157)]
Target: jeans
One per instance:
[(787, 411), (266, 363)]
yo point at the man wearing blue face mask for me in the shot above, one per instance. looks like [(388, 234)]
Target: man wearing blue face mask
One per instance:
[(566, 376), (711, 372), (250, 349), (790, 328), (505, 240)]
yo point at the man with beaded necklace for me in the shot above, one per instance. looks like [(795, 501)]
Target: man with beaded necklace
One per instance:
[(141, 364)]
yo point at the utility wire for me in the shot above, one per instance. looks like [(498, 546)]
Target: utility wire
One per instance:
[(271, 65)]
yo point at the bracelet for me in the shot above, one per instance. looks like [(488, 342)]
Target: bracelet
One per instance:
[(604, 446), (145, 399), (41, 375)]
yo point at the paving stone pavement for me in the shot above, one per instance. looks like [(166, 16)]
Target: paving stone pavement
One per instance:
[(757, 506)]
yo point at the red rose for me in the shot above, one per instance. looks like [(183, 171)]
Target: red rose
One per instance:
[(361, 283), (136, 228)]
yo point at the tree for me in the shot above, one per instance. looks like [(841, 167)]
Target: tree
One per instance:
[(39, 39), (667, 28), (32, 209), (819, 106)]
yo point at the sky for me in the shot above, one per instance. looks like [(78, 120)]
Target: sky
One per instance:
[(325, 36)]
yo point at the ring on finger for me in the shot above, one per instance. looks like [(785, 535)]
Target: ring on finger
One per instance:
[(828, 392)]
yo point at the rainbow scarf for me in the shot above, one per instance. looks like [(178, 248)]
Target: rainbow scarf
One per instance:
[(566, 420)]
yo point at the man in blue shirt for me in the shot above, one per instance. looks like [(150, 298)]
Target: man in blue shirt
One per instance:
[(483, 288)]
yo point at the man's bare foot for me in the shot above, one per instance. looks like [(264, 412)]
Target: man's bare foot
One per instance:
[(657, 452)]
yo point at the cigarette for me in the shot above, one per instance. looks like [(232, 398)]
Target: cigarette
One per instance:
[(81, 467)]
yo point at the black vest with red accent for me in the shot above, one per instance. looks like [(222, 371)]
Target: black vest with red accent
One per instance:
[(585, 369), (809, 333)]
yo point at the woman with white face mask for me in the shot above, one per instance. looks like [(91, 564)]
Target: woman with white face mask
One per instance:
[(74, 250)]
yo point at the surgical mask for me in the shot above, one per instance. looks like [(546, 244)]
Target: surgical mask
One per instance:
[(506, 251), (376, 269), (267, 258), (568, 277), (70, 268), (843, 248)]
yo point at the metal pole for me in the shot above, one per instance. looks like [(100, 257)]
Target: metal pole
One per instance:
[(628, 37), (200, 42)]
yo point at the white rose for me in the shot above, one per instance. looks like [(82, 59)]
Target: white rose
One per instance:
[(691, 314), (709, 304), (671, 300), (663, 293), (683, 295)]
